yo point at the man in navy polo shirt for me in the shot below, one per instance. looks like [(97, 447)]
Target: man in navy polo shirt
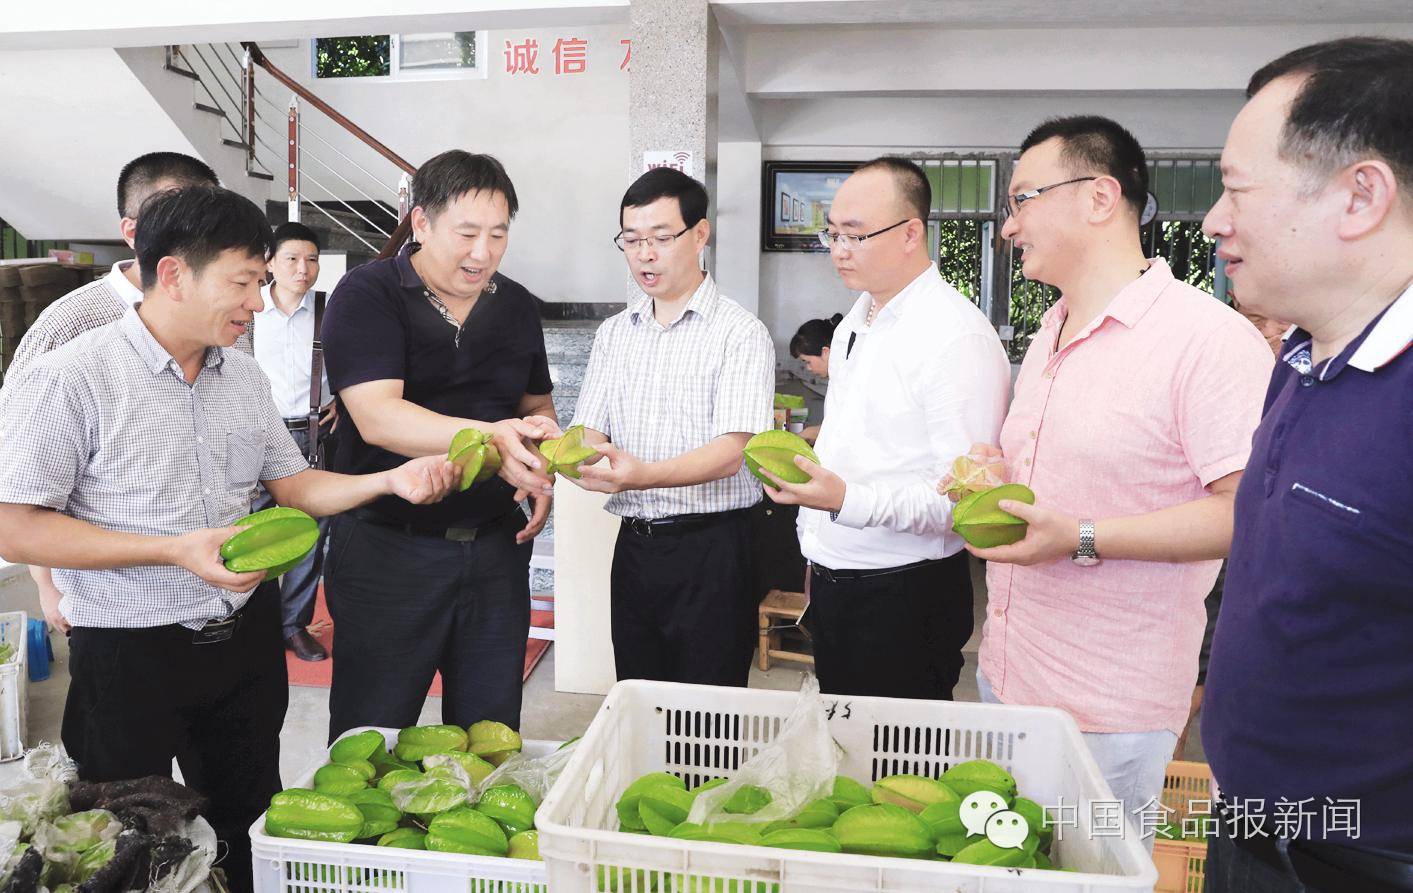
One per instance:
[(1308, 716), (420, 346)]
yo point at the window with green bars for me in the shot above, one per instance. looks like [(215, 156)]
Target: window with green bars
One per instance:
[(962, 185), (14, 246), (965, 220)]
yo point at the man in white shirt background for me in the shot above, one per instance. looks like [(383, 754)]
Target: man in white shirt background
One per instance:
[(916, 376), (284, 348), (104, 301)]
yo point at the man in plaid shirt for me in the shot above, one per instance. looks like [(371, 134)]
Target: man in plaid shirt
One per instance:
[(106, 300), (676, 385), (125, 457)]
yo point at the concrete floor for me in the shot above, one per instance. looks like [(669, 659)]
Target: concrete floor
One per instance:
[(546, 714)]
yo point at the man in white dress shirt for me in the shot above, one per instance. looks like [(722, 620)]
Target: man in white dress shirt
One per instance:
[(916, 376), (284, 349)]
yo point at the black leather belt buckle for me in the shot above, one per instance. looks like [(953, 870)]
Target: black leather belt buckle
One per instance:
[(462, 534), (297, 424), (824, 573), (216, 631)]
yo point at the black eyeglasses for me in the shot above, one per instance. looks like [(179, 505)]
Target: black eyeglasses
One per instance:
[(662, 240), (1014, 202), (851, 241)]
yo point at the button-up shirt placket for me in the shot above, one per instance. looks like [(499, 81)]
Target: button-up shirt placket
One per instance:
[(1298, 357), (1022, 469), (659, 391)]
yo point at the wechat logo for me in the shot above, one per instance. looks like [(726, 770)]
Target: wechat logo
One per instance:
[(985, 813)]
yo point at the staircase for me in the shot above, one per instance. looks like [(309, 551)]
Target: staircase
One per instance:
[(340, 231), (265, 118)]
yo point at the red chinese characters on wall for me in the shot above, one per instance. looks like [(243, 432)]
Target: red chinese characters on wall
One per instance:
[(522, 58), (571, 56)]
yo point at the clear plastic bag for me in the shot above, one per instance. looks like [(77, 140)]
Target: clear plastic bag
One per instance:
[(45, 796), (534, 775), (9, 841), (975, 472), (795, 768), (431, 794), (64, 839), (49, 761)]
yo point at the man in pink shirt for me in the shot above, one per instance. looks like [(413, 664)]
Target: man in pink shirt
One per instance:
[(1132, 422)]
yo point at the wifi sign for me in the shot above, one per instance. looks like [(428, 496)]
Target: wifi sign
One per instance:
[(679, 160)]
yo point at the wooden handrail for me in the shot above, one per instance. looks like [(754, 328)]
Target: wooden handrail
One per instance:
[(397, 238), (303, 92)]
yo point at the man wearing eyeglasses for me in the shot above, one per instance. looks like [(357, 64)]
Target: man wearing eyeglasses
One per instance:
[(1132, 422), (676, 385), (916, 375)]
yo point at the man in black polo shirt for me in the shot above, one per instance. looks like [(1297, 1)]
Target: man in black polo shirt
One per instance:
[(1308, 713), (419, 346)]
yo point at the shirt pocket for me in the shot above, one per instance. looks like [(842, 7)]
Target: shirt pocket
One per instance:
[(1328, 508), (245, 457)]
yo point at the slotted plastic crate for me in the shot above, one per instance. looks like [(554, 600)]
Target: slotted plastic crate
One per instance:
[(14, 686), (1182, 864), (283, 865), (703, 732)]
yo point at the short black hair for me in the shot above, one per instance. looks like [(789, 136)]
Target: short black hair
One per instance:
[(667, 182), (445, 178), (1098, 145), (138, 176), (814, 336), (197, 223), (294, 232), (1356, 100), (911, 181)]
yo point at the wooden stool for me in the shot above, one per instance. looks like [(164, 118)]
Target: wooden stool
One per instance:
[(782, 605)]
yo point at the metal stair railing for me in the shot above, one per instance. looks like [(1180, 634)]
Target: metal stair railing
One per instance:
[(273, 137)]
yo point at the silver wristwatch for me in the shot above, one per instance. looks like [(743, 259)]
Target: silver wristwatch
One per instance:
[(1085, 555)]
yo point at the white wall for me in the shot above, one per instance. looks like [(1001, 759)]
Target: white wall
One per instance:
[(737, 238), (922, 59), (73, 118), (562, 139)]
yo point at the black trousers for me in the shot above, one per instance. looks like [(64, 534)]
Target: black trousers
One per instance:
[(1269, 864), (895, 636), (140, 697), (406, 606), (683, 609)]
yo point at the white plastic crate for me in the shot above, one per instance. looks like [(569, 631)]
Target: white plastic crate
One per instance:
[(703, 732), (14, 686), (283, 865)]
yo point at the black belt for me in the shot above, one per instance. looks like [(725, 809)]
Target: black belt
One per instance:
[(848, 575), (455, 534), (677, 524), (300, 424), (1331, 867), (221, 630), (217, 630)]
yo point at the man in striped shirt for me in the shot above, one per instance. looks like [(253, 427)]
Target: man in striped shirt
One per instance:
[(100, 303), (676, 385)]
